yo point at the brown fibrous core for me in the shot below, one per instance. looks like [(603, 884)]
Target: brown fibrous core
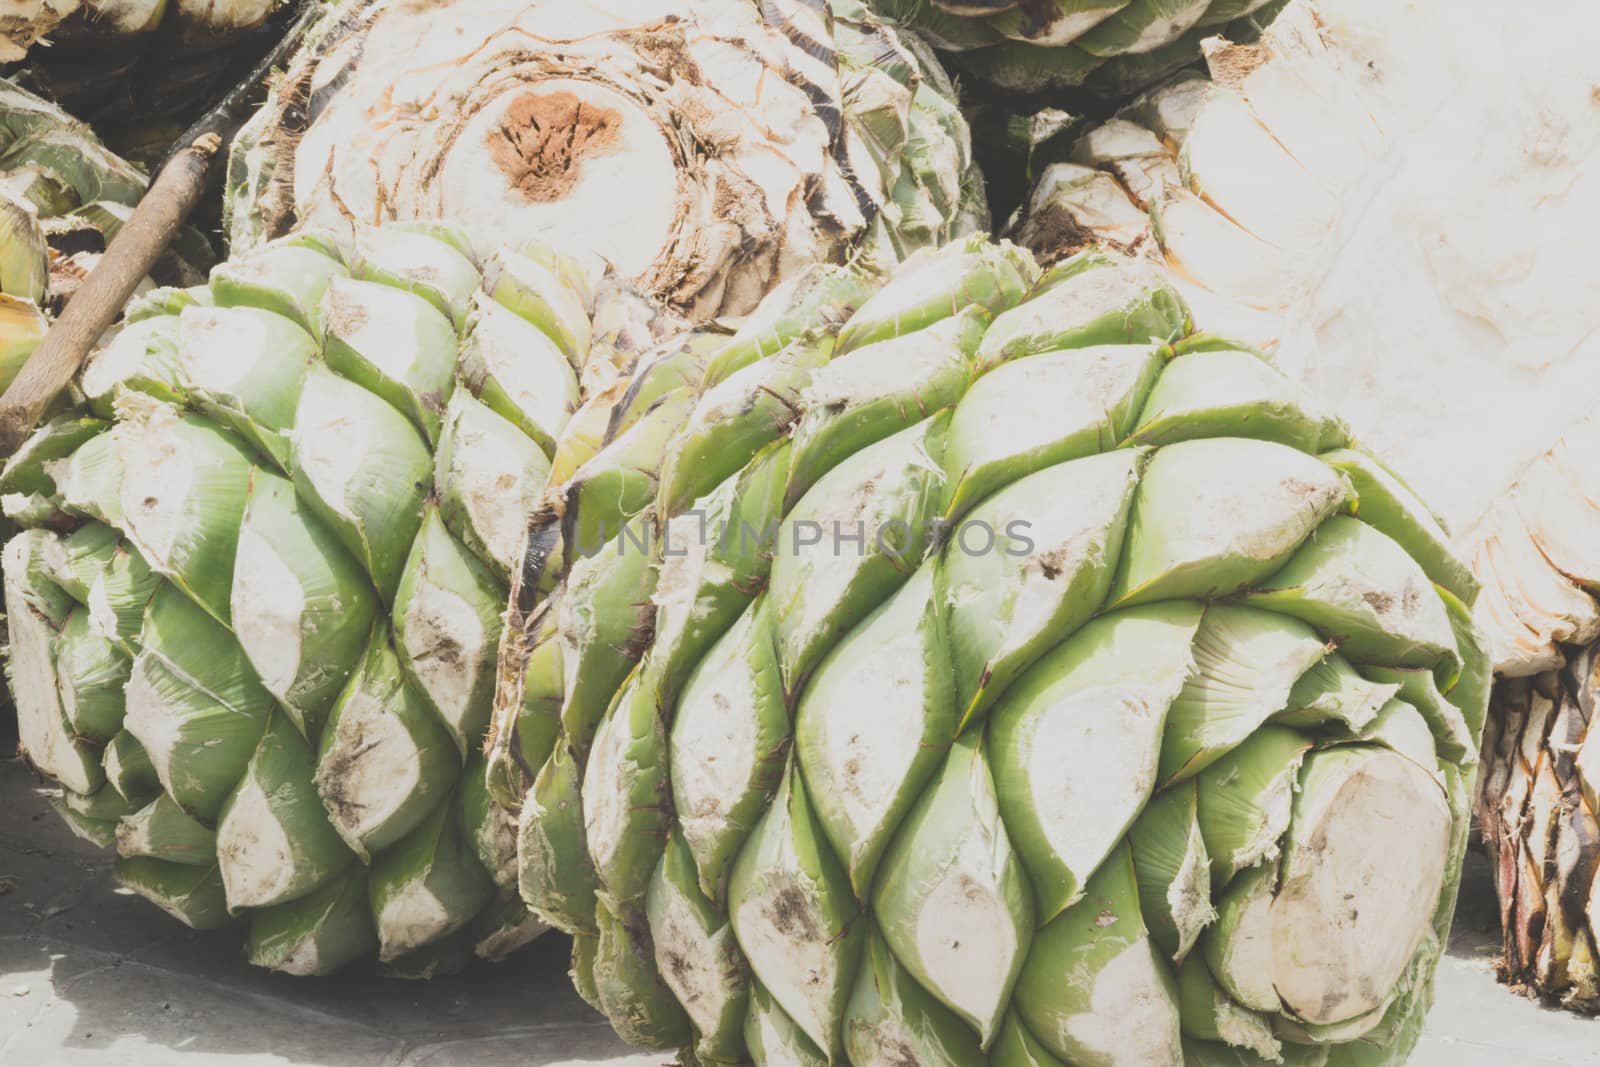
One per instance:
[(543, 139)]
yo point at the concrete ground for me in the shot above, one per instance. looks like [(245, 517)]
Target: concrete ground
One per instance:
[(92, 976)]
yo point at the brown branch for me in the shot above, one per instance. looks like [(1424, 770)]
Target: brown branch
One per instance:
[(100, 299), (178, 187)]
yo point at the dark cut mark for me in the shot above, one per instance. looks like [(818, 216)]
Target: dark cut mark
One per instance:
[(824, 99), (1037, 15), (790, 914), (544, 537), (639, 381), (780, 13), (543, 139)]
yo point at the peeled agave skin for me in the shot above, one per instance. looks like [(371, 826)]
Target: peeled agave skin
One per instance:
[(860, 794), (255, 617), (707, 149)]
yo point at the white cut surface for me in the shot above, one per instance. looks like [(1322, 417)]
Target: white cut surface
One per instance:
[(156, 729), (254, 852), (1469, 291), (1435, 295), (333, 443), (1211, 251), (714, 753), (268, 611), (1097, 201), (472, 114), (302, 960), (1091, 766), (607, 783), (1248, 955), (118, 359), (965, 936), (218, 347), (1132, 1016), (689, 964), (102, 617), (1071, 533), (1029, 403), (496, 489), (622, 204), (41, 724), (1359, 895), (410, 918), (133, 836), (372, 769), (157, 496), (868, 756), (1235, 497), (381, 322), (1244, 172), (784, 934), (447, 644), (685, 568), (1189, 895), (1275, 806)]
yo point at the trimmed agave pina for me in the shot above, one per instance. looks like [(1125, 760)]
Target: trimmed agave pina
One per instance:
[(267, 576), (1017, 741), (707, 149)]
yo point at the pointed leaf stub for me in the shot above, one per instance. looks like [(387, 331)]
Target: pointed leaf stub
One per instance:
[(951, 899), (796, 918), (892, 1019), (1360, 589), (1094, 989), (1074, 743), (864, 771), (698, 957), (1216, 515), (1028, 566), (1023, 417), (1246, 665), (1090, 300), (858, 535), (730, 740)]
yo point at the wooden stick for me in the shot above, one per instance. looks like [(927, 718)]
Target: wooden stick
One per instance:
[(101, 298), (180, 183)]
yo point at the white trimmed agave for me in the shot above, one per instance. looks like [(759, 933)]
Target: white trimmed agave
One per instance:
[(1297, 199), (978, 677), (256, 612), (708, 149)]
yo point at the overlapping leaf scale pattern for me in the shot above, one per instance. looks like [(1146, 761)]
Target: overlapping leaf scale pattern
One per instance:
[(996, 670), (255, 620)]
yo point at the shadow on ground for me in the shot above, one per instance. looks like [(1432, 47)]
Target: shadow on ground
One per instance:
[(93, 976)]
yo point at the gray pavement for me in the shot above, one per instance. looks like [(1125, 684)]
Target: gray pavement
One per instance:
[(92, 976)]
